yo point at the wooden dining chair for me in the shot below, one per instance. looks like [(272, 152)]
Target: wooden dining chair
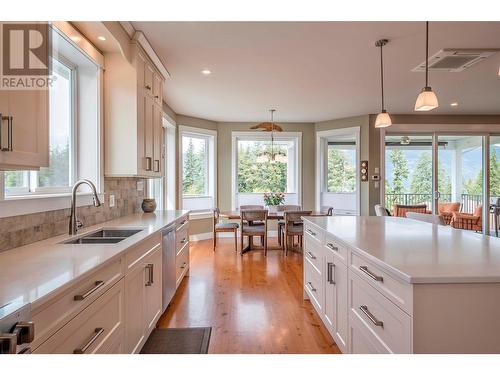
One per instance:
[(281, 223), (224, 227), (254, 207), (251, 231), (294, 227)]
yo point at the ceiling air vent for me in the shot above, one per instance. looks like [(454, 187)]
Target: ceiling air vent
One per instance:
[(456, 60)]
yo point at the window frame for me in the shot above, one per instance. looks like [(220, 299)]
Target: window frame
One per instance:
[(296, 137)]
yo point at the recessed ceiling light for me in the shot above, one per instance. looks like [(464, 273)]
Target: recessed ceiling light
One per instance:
[(101, 38), (454, 104), (75, 39), (206, 72)]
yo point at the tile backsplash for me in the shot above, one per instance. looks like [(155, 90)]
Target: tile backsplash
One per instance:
[(21, 230)]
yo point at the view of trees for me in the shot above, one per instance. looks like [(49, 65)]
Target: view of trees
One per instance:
[(255, 177), (341, 171), (194, 168)]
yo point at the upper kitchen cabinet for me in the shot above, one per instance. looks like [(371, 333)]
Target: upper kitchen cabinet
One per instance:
[(134, 138)]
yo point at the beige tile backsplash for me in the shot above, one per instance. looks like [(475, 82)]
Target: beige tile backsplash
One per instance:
[(21, 230)]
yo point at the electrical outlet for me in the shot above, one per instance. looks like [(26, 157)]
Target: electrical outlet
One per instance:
[(111, 201)]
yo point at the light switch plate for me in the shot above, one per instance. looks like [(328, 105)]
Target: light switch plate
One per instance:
[(111, 200), (140, 185)]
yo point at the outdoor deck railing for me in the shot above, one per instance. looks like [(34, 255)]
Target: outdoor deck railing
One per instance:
[(469, 201)]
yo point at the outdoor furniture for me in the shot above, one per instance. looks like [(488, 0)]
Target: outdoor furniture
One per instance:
[(224, 227), (249, 230), (381, 210), (447, 209), (294, 227), (428, 218), (400, 210), (461, 220), (327, 210), (281, 223)]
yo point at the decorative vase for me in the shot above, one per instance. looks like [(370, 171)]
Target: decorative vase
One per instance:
[(148, 205), (272, 209)]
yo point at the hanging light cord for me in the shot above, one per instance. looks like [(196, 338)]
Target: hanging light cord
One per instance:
[(427, 54), (382, 74)]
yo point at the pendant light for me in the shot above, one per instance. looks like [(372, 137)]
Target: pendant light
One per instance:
[(272, 156), (383, 119), (427, 99)]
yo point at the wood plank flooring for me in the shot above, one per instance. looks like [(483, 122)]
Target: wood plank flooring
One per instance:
[(253, 303)]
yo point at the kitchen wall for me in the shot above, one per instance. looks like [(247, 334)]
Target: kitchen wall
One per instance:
[(21, 230)]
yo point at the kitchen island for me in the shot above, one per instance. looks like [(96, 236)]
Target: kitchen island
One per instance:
[(395, 285)]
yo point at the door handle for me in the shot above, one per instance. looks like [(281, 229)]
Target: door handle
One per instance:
[(81, 297), (313, 289), (148, 163), (330, 277), (157, 165), (366, 271), (311, 255), (369, 315), (10, 146), (97, 332), (332, 246), (149, 267)]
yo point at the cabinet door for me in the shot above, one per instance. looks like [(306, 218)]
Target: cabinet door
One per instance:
[(157, 88), (24, 129), (157, 141), (134, 310), (329, 317), (148, 78), (153, 290), (141, 73)]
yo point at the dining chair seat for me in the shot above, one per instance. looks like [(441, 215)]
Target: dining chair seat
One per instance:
[(297, 228), (227, 225), (254, 229)]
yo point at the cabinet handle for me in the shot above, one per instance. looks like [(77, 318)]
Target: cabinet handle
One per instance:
[(184, 240), (150, 267), (313, 289), (157, 97), (332, 246), (157, 165), (375, 321), (311, 232), (9, 133), (370, 274), (184, 265), (148, 163), (97, 332), (147, 87), (311, 255), (330, 277), (81, 297)]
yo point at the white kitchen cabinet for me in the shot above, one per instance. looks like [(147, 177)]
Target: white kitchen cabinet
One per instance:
[(24, 129), (153, 296), (181, 249), (133, 126), (134, 313)]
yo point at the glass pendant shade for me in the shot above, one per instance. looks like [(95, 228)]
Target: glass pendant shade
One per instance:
[(383, 120), (426, 100)]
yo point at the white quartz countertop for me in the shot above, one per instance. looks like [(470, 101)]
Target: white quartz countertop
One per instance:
[(418, 252), (34, 273)]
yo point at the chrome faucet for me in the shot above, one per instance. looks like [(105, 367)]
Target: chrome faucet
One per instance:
[(75, 224)]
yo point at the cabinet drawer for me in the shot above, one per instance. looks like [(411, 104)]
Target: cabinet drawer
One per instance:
[(313, 252), (362, 340), (313, 233), (138, 252), (181, 264), (397, 291), (97, 329), (55, 313), (336, 247), (313, 285), (388, 323), (181, 238)]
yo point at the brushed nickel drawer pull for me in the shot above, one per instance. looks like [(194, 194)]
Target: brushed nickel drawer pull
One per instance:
[(366, 271), (375, 321), (330, 277), (184, 240), (311, 255), (149, 267), (157, 165), (148, 163), (97, 332), (332, 246), (9, 133), (81, 297), (184, 265), (313, 289), (311, 232)]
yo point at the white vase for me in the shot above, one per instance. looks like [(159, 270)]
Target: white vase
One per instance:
[(272, 209)]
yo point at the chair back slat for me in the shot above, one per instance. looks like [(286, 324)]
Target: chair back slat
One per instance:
[(216, 215), (288, 207), (251, 207), (253, 215), (292, 217)]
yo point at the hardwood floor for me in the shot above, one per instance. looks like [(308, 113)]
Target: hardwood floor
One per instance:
[(254, 304)]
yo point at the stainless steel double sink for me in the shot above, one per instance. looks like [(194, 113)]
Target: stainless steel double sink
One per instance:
[(104, 236)]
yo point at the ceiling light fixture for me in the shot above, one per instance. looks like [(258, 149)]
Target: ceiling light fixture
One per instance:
[(454, 104), (206, 72), (427, 99), (271, 156), (101, 38), (383, 119)]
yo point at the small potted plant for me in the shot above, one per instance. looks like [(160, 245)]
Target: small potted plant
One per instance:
[(273, 200)]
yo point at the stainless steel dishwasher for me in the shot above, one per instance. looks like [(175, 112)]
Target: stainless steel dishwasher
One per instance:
[(168, 264)]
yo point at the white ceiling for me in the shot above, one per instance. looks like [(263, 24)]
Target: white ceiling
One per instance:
[(314, 71)]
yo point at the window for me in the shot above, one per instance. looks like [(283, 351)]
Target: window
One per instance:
[(198, 168), (59, 176), (262, 166), (341, 167)]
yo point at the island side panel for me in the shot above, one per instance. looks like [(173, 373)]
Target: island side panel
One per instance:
[(456, 318)]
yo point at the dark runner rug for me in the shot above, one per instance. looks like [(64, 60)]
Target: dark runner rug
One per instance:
[(178, 341)]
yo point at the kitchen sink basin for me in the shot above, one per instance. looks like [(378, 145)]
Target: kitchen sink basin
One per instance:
[(104, 236)]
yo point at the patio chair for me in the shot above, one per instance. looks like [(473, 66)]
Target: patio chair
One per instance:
[(249, 230), (381, 210), (474, 221), (400, 210), (294, 227), (224, 227), (446, 210), (281, 223)]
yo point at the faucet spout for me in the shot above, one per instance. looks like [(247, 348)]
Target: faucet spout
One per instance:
[(73, 222)]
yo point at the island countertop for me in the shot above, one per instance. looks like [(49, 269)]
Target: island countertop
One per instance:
[(33, 273), (418, 252)]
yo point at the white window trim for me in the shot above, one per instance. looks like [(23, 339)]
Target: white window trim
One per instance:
[(211, 170), (235, 135), (321, 166)]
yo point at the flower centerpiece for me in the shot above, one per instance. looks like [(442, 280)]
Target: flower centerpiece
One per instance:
[(272, 200)]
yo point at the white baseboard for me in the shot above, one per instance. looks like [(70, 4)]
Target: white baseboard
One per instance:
[(208, 235)]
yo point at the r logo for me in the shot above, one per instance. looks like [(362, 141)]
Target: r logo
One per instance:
[(25, 49)]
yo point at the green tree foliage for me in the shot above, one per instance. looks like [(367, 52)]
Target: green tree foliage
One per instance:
[(421, 182), (400, 171), (193, 171), (341, 172), (254, 177), (474, 186), (57, 173)]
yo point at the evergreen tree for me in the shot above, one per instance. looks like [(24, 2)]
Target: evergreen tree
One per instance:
[(341, 172), (400, 171), (193, 180), (421, 182)]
